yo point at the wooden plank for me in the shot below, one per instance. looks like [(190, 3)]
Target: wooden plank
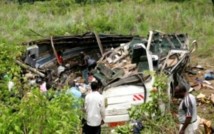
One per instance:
[(99, 43), (30, 68), (54, 50)]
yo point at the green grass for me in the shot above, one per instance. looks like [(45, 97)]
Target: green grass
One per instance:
[(129, 17), (195, 17)]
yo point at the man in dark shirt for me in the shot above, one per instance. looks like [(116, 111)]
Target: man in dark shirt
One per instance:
[(87, 63), (84, 66)]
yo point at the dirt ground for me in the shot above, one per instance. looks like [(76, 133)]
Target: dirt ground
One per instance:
[(205, 105)]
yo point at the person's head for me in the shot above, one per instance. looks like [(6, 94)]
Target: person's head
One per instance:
[(71, 83), (82, 55), (82, 52), (94, 86), (39, 80), (180, 91)]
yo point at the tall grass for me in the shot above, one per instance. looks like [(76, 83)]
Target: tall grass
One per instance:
[(20, 23), (127, 17)]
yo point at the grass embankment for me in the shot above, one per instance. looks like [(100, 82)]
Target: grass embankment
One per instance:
[(48, 18), (129, 17)]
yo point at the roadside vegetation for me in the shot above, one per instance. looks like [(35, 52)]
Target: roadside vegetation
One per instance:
[(156, 115), (20, 22), (24, 22)]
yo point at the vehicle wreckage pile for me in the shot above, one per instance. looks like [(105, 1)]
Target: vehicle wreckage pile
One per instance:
[(124, 56), (121, 61)]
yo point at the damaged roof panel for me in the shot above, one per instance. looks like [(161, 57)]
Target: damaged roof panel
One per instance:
[(85, 39)]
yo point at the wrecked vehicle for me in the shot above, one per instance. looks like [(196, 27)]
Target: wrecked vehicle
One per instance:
[(42, 56), (123, 67), (123, 71), (43, 51)]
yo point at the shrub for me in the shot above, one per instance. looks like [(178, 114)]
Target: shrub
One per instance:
[(38, 113)]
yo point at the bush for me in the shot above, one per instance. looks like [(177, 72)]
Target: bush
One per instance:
[(27, 110), (36, 113)]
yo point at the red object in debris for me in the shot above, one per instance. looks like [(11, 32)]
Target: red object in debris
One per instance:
[(59, 58), (138, 97), (115, 124)]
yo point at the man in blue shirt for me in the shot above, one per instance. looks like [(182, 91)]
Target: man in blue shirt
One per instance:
[(73, 90)]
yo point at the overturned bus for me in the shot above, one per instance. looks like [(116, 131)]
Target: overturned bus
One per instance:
[(44, 51), (123, 71), (122, 63), (41, 56)]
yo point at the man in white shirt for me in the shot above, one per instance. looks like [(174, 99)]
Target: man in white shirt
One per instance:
[(187, 112), (95, 110)]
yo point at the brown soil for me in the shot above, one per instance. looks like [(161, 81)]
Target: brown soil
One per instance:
[(205, 108)]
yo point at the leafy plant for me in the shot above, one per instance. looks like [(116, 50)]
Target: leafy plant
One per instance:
[(125, 129), (158, 94), (154, 119), (40, 113), (25, 109), (8, 55)]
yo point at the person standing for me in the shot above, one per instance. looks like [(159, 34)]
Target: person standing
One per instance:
[(84, 66), (87, 64), (95, 110), (187, 112), (74, 90)]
